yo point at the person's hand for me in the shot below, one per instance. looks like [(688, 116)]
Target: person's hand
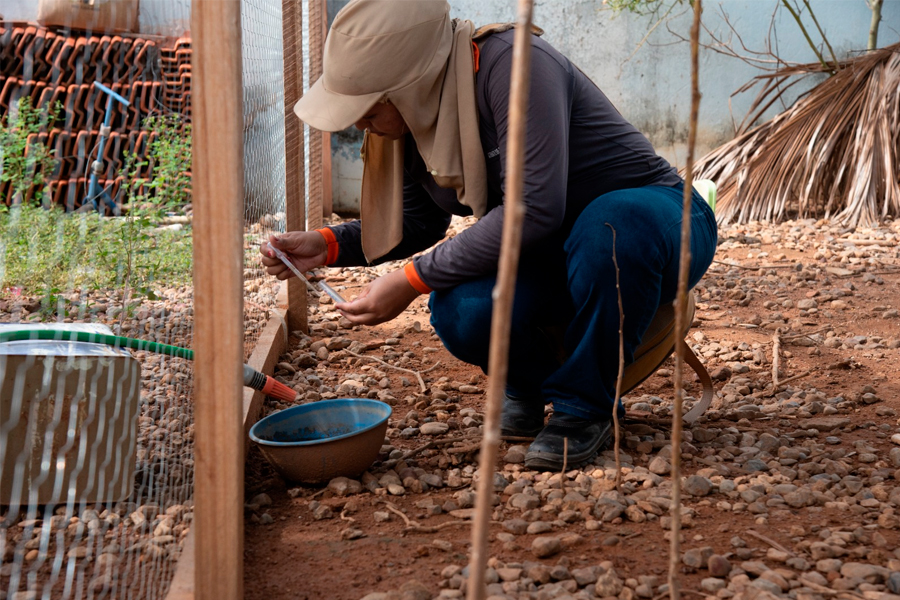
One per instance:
[(380, 301), (306, 249)]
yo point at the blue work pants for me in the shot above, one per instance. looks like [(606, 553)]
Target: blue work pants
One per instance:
[(570, 286)]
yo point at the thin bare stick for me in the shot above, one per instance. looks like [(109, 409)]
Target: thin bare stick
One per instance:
[(433, 444), (501, 318), (793, 336), (776, 357), (749, 268), (680, 307), (387, 364), (415, 526), (344, 517), (619, 377), (784, 382), (768, 541), (562, 474), (393, 508)]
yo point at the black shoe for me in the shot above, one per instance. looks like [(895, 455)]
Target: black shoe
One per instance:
[(585, 438), (521, 417)]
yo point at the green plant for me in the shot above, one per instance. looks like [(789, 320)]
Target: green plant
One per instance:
[(170, 158), (25, 164), (45, 251), (146, 203)]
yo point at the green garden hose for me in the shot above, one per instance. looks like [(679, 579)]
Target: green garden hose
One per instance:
[(252, 378)]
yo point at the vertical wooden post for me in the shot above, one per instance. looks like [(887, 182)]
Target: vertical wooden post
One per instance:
[(680, 305), (317, 16), (218, 185), (327, 199), (501, 319), (295, 181)]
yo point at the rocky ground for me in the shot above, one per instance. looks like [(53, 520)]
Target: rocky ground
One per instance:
[(790, 490), (122, 549)]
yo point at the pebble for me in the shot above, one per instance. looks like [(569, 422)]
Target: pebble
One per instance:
[(659, 466), (434, 428), (545, 546), (718, 565), (893, 583), (696, 485)]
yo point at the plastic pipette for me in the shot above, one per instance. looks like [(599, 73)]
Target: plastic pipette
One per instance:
[(325, 287)]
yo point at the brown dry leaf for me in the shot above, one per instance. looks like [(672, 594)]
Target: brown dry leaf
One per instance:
[(832, 154)]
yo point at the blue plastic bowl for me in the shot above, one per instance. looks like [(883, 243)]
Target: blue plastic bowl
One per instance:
[(317, 442)]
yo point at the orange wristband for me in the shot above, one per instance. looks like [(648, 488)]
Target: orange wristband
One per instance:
[(332, 242), (412, 276)]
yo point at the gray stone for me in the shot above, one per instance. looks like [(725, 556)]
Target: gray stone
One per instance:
[(829, 565), (545, 546), (509, 574), (523, 501), (515, 526), (824, 424), (342, 486), (895, 457), (608, 584), (434, 428), (515, 455), (560, 573), (712, 585), (696, 485), (754, 465), (659, 466), (718, 565), (767, 586), (539, 527), (697, 558), (893, 583), (870, 573), (584, 576)]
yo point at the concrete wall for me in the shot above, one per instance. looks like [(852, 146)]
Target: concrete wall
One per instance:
[(651, 85)]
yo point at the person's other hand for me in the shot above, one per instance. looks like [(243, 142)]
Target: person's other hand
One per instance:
[(380, 301), (306, 249)]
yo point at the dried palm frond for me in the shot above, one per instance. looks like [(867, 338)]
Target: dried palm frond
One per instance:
[(833, 154)]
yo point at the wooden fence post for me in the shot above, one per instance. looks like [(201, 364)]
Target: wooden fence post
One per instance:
[(218, 186), (295, 180)]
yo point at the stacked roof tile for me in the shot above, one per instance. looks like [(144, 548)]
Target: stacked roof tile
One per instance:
[(49, 67)]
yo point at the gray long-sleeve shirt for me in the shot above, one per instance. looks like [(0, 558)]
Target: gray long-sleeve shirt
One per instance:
[(578, 147)]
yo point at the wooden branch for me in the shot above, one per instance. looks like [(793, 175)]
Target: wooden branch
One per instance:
[(387, 364), (501, 318), (617, 444), (749, 268), (680, 307), (412, 525), (768, 541), (434, 444), (776, 357)]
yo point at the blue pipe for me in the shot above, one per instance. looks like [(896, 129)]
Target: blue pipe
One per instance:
[(94, 191)]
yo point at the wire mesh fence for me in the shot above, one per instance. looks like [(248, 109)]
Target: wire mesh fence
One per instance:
[(264, 151), (97, 439)]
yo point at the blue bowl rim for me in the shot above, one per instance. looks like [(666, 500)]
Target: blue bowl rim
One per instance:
[(299, 408)]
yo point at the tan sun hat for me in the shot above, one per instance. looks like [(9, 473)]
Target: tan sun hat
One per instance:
[(369, 52), (411, 53)]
